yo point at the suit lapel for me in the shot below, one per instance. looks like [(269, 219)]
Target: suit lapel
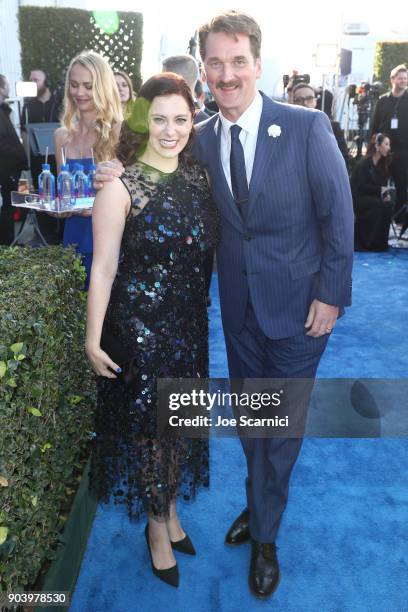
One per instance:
[(266, 149)]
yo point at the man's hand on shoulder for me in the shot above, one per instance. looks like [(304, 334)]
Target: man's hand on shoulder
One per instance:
[(321, 319), (107, 171)]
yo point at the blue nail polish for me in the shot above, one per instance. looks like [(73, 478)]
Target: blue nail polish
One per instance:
[(118, 370)]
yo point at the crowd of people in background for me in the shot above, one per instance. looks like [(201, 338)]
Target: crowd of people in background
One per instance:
[(386, 158), (372, 208), (181, 185)]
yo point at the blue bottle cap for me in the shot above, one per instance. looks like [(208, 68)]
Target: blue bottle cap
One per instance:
[(81, 167), (65, 168), (92, 167), (46, 166), (77, 167)]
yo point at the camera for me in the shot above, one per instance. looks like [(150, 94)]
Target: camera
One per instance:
[(365, 91), (364, 97), (294, 79)]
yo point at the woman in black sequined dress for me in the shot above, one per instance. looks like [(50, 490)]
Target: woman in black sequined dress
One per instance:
[(157, 220)]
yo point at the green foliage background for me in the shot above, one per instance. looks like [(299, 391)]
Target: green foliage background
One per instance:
[(50, 37), (387, 56), (47, 398)]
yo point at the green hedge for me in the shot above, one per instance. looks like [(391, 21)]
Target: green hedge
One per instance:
[(47, 398), (387, 56), (50, 37)]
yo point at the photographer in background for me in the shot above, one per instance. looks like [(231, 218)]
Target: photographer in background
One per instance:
[(289, 82), (304, 94), (371, 199), (391, 116), (12, 161)]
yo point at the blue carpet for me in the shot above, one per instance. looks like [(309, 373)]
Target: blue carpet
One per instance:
[(343, 542)]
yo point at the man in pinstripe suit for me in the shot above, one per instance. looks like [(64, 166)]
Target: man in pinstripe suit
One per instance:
[(285, 258)]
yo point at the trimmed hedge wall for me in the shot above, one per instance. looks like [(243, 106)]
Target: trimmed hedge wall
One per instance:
[(47, 399), (50, 37), (387, 56)]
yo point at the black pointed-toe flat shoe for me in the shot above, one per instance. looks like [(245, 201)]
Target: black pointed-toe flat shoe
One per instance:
[(184, 546), (169, 576), (264, 573), (238, 533)]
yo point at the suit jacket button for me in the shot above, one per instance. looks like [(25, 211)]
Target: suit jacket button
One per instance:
[(247, 237)]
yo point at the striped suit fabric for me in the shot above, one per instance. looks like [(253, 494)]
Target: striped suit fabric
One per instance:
[(292, 244)]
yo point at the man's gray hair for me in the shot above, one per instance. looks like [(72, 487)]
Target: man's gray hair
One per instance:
[(184, 65)]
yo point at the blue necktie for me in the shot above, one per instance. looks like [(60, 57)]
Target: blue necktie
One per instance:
[(239, 182)]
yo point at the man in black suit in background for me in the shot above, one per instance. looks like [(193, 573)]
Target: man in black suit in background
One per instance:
[(200, 98), (391, 117), (303, 94), (12, 161), (187, 67)]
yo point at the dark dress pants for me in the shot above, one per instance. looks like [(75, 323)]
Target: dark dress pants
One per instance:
[(270, 460)]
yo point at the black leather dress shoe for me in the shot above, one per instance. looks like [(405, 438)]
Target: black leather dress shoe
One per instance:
[(239, 530), (264, 570)]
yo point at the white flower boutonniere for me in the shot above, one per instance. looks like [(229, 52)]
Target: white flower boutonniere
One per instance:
[(274, 130)]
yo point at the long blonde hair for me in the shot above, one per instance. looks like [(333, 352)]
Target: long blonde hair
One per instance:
[(106, 99)]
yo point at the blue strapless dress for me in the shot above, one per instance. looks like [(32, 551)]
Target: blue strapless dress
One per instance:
[(78, 230)]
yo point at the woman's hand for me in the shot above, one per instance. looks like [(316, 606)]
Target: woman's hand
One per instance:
[(101, 363)]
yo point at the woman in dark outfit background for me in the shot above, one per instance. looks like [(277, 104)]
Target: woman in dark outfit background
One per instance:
[(371, 200)]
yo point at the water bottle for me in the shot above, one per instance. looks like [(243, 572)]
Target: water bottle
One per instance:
[(80, 182), (65, 188), (91, 178), (46, 186)]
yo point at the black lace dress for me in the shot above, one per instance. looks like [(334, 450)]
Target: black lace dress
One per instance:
[(158, 308)]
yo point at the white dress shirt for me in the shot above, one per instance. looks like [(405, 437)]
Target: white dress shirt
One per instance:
[(249, 124)]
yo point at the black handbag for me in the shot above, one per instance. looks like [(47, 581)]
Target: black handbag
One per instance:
[(121, 354)]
